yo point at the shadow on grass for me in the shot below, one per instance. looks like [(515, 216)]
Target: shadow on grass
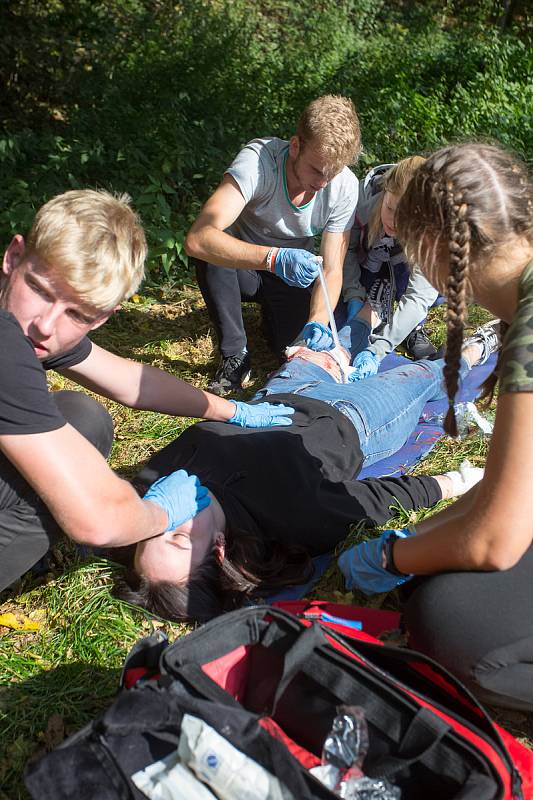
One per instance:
[(133, 330), (37, 714), (180, 339)]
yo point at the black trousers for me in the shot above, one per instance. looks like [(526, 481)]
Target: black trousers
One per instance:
[(27, 528), (285, 309), (480, 626)]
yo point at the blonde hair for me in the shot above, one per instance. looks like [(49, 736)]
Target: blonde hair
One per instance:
[(331, 125), (94, 241), (463, 205), (395, 181)]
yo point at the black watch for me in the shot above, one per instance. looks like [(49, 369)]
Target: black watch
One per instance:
[(388, 550)]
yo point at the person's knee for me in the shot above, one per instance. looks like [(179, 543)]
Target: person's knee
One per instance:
[(451, 620), (88, 416), (504, 676)]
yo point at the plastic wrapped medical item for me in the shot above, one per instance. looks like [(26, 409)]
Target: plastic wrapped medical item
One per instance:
[(467, 416), (343, 754), (207, 766), (347, 743)]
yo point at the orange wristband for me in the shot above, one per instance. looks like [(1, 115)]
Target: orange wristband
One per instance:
[(271, 258)]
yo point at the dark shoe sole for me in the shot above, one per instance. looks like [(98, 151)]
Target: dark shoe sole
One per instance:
[(222, 391), (429, 354)]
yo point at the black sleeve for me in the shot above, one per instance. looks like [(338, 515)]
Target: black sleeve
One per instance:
[(71, 357), (375, 497), (26, 405)]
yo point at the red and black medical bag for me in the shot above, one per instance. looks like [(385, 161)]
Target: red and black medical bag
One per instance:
[(271, 682)]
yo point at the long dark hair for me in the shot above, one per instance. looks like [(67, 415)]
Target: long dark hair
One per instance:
[(252, 568), (465, 202)]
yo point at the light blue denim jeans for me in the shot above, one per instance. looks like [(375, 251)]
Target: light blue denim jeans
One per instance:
[(384, 409)]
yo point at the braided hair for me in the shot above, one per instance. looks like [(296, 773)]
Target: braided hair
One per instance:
[(462, 204)]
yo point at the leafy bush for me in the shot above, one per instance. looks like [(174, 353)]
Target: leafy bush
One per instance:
[(155, 98)]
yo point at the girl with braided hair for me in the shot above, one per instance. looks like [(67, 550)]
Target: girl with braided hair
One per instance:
[(466, 219)]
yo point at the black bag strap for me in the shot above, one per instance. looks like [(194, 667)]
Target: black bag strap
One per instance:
[(202, 684), (306, 643), (423, 734)]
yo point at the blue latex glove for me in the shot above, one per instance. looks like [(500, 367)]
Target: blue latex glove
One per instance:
[(317, 336), (296, 267), (365, 364), (354, 307), (362, 567), (262, 415), (180, 495)]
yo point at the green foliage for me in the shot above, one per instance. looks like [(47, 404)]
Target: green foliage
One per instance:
[(155, 98)]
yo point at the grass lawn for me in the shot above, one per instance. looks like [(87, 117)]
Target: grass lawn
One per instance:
[(56, 678)]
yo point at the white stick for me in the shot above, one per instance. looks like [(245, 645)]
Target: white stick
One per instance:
[(332, 323)]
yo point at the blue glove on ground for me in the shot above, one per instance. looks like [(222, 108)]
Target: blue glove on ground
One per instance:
[(354, 307), (365, 365), (180, 495), (262, 415), (317, 336), (362, 565), (296, 267)]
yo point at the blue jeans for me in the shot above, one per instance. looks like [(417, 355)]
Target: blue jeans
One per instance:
[(384, 409)]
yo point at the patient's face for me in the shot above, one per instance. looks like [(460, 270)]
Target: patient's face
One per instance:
[(173, 556)]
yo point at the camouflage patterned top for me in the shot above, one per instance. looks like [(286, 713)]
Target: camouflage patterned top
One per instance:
[(517, 354)]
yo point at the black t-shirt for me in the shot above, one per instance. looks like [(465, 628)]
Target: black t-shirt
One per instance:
[(295, 484), (26, 405)]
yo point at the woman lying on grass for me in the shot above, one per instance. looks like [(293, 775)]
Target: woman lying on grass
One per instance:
[(281, 496), (466, 218)]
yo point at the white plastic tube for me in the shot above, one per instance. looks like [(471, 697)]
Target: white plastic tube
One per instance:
[(329, 309), (324, 287)]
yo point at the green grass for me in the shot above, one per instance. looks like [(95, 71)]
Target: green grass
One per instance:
[(57, 679)]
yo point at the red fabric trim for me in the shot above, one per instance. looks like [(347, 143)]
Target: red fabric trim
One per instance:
[(375, 621), (135, 674), (306, 759), (522, 759), (230, 671)]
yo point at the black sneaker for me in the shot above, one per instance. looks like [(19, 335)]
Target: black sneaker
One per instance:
[(233, 373), (418, 346), (488, 337)]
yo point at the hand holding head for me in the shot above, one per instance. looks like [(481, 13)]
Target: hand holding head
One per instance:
[(180, 495)]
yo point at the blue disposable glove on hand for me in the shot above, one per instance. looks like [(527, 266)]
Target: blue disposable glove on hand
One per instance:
[(296, 267), (365, 365), (317, 336), (180, 495), (262, 415), (362, 565), (354, 307)]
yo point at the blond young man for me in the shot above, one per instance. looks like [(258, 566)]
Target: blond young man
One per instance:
[(84, 254), (259, 227)]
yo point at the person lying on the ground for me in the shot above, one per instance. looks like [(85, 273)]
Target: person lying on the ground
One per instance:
[(281, 496), (83, 256), (387, 301), (254, 238), (466, 218)]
